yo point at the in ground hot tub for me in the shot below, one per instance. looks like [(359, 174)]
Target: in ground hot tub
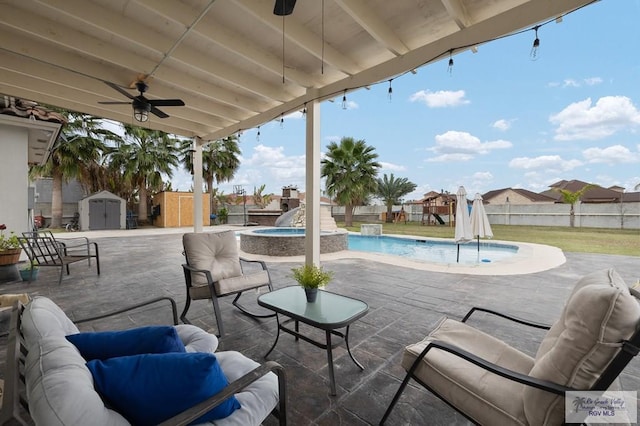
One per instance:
[(289, 241)]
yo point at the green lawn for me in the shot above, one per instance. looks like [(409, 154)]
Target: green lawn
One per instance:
[(581, 240)]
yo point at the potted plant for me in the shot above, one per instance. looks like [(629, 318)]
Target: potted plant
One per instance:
[(9, 247), (310, 277), (29, 271)]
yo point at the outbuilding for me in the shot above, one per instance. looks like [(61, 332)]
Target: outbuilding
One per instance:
[(102, 210)]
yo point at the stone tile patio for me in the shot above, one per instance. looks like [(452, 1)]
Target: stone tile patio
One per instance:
[(404, 305)]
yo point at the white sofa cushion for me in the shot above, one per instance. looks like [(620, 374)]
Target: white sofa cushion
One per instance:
[(465, 384), (60, 387), (599, 314)]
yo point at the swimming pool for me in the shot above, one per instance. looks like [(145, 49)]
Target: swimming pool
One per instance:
[(290, 242), (423, 249)]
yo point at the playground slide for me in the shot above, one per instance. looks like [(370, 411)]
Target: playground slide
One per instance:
[(438, 218)]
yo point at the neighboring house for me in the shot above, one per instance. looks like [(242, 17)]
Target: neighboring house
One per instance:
[(516, 196), (596, 194), (72, 193)]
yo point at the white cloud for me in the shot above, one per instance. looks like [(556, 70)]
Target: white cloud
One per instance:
[(592, 81), (392, 167), (569, 82), (583, 120), (296, 115), (483, 176), (444, 158), (546, 162), (463, 146), (615, 154), (441, 98), (275, 166), (502, 124)]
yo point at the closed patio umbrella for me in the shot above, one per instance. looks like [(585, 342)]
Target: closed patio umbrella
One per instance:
[(463, 232), (480, 226)]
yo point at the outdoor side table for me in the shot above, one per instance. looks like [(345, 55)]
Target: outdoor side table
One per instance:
[(330, 312)]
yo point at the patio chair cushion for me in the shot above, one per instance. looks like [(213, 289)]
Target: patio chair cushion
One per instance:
[(135, 341), (216, 252), (599, 313), (465, 385), (149, 389)]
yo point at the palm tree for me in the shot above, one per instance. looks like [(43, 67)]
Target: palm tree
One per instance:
[(391, 190), (259, 199), (350, 170), (220, 162), (76, 155), (571, 197), (143, 159)]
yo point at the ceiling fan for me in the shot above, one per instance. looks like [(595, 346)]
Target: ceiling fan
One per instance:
[(141, 105)]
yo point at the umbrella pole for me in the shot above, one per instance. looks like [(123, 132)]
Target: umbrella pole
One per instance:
[(458, 258), (478, 243)]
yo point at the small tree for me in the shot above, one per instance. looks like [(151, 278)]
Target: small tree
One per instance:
[(571, 197), (259, 199), (391, 190)]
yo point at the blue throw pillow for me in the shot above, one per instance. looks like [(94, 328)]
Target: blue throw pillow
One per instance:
[(149, 389), (136, 341)]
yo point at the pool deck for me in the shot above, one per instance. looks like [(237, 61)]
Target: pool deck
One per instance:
[(405, 302)]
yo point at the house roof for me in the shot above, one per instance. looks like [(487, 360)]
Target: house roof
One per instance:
[(234, 63), (595, 194), (534, 197)]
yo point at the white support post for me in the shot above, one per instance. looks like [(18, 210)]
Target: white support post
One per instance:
[(312, 185), (197, 184)]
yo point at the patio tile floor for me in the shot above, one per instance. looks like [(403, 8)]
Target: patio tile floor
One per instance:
[(404, 304)]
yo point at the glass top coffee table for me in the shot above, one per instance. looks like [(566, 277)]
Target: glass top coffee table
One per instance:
[(329, 312)]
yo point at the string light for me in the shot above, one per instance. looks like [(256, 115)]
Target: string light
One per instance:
[(282, 121), (450, 67), (344, 100), (534, 54), (304, 110), (258, 135)]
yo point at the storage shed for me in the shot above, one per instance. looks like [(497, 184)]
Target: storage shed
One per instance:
[(175, 209), (102, 210)]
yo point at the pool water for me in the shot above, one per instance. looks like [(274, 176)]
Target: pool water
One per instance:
[(433, 250), (415, 248)]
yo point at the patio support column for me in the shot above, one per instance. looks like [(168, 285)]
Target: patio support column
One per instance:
[(312, 185), (197, 184)]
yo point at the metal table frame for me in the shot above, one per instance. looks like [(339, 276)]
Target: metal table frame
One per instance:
[(296, 293)]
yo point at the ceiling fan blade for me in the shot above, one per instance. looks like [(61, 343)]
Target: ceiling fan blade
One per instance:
[(166, 102), (114, 103), (119, 89), (158, 113)]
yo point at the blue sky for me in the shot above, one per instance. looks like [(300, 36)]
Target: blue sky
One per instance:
[(498, 120)]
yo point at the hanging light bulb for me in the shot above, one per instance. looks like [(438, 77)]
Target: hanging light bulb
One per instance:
[(344, 100), (390, 91), (535, 49), (450, 67), (304, 110), (258, 134), (282, 121)]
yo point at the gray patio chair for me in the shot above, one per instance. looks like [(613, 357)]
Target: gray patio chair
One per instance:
[(215, 269), (490, 382), (43, 249)]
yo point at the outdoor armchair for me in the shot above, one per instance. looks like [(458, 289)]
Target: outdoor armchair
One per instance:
[(43, 249), (490, 382), (47, 378), (214, 269)]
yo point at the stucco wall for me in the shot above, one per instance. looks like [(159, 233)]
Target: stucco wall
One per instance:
[(13, 175)]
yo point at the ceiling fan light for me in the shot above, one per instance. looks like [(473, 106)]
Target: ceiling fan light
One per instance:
[(284, 7), (140, 114), (141, 110)]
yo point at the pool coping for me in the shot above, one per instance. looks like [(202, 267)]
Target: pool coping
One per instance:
[(530, 258)]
